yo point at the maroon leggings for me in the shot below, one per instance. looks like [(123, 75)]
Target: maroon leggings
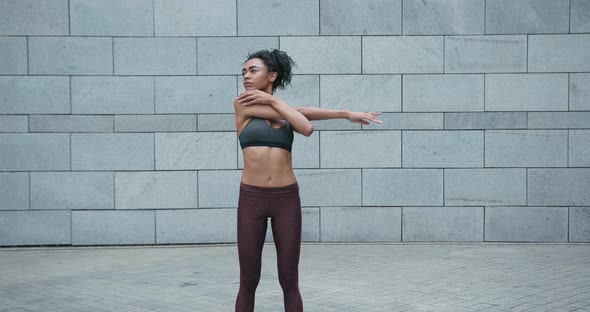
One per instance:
[(283, 206)]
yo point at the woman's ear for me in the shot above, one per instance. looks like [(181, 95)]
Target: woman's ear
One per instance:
[(273, 76)]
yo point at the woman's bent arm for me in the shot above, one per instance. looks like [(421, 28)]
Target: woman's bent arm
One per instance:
[(297, 119), (245, 102)]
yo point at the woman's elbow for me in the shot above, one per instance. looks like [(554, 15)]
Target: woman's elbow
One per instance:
[(308, 131)]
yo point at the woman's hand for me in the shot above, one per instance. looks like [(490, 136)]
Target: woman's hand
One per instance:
[(359, 117), (255, 97)]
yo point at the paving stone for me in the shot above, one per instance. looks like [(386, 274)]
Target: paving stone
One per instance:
[(351, 277)]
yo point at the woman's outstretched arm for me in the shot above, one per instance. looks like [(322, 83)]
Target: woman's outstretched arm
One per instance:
[(308, 113), (314, 113)]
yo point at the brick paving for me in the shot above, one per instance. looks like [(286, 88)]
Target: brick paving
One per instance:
[(347, 277)]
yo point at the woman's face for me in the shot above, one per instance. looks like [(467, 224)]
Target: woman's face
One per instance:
[(255, 75)]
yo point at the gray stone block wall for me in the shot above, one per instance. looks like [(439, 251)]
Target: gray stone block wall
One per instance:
[(117, 125)]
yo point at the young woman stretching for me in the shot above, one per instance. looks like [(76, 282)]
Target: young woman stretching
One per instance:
[(268, 187)]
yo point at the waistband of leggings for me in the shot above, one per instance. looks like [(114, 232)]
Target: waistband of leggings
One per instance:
[(270, 190)]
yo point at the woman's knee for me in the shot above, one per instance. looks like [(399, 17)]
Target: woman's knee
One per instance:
[(288, 279), (249, 282)]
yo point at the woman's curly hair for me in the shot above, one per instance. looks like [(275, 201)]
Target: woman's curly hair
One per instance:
[(276, 61)]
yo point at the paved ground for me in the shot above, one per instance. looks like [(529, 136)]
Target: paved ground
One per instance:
[(333, 277)]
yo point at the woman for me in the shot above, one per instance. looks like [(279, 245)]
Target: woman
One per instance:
[(268, 187)]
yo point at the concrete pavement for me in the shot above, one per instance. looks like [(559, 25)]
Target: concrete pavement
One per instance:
[(351, 277)]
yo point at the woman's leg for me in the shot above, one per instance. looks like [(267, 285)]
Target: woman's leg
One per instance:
[(252, 225), (286, 230)]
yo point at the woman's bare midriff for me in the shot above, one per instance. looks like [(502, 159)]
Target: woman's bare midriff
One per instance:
[(267, 166)]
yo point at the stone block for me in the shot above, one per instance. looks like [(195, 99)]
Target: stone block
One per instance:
[(13, 55), (35, 227), (526, 224), (323, 54), (72, 190), (486, 120), (361, 224), (156, 123), (113, 95), (365, 93), (34, 17), (70, 55), (279, 17), (14, 123), (490, 187), (559, 53), (443, 93), (329, 187), (579, 16), (558, 120), (155, 189), (305, 151), (216, 122), (402, 187), (579, 91), (442, 224), (304, 90), (194, 226), (485, 54), (526, 148), (195, 18), (219, 188), (579, 148), (200, 150), (14, 191), (112, 18), (355, 149), (210, 94), (526, 92), (34, 95), (112, 151), (579, 224), (34, 151), (402, 54), (559, 186), (527, 16), (442, 149), (155, 56), (357, 17), (71, 123), (406, 121), (451, 17), (113, 227)]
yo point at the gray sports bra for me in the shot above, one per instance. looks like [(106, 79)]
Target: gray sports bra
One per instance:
[(258, 133)]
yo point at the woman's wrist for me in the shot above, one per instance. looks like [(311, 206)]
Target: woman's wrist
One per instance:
[(345, 114), (276, 101)]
